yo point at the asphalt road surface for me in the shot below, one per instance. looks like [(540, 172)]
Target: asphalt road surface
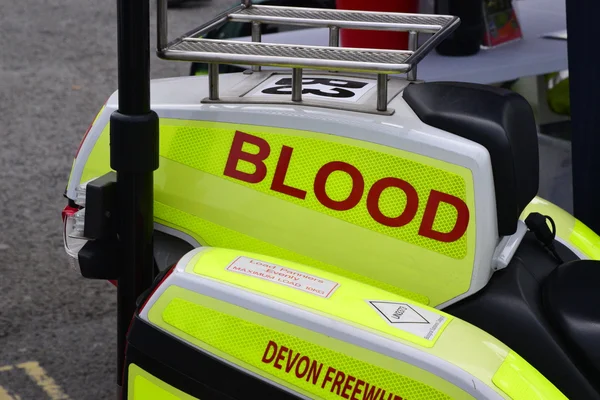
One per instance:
[(57, 67)]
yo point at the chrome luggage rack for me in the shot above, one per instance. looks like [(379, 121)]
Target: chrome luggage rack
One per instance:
[(192, 47)]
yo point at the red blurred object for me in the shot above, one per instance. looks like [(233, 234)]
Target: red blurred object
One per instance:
[(376, 39), (68, 211)]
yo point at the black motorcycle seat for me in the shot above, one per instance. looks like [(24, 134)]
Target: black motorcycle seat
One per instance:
[(571, 296), (500, 120)]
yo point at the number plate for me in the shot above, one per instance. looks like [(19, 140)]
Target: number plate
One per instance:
[(316, 87)]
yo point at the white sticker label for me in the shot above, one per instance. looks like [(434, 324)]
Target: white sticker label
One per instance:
[(410, 318), (283, 276), (316, 87)]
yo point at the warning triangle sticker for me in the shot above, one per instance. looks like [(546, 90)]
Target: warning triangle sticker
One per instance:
[(424, 322), (399, 313)]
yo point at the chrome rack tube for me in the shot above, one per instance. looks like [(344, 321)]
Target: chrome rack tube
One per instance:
[(297, 84), (162, 25), (334, 36), (192, 47), (413, 44), (382, 86), (256, 37), (348, 19), (213, 81), (432, 42), (162, 31)]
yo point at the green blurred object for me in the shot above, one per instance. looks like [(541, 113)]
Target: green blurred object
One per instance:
[(558, 92)]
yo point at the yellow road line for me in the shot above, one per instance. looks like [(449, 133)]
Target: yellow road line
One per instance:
[(41, 378), (4, 395)]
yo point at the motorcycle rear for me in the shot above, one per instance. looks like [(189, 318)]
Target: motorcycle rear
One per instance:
[(331, 230)]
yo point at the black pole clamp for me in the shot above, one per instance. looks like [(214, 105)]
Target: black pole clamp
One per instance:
[(131, 150)]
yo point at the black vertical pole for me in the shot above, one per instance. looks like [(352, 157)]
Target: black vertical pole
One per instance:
[(134, 156), (585, 110)]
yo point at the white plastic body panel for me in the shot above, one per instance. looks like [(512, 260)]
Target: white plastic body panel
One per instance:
[(181, 98), (316, 322)]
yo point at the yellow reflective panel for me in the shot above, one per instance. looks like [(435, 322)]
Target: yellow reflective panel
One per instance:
[(298, 235), (393, 219), (376, 187), (144, 386), (517, 378), (324, 293), (586, 240), (306, 362), (568, 227)]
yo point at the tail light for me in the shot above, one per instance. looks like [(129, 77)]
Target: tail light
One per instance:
[(73, 216), (73, 238), (89, 234), (73, 223)]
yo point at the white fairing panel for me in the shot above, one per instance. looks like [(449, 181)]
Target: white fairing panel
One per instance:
[(316, 322), (181, 98)]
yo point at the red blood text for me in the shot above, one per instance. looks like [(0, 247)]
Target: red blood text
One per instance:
[(357, 192)]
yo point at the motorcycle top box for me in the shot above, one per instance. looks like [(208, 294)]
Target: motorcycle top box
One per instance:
[(324, 225)]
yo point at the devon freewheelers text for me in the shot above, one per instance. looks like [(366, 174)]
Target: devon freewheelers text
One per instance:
[(324, 377)]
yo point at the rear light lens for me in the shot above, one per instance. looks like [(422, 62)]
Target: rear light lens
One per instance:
[(80, 195), (73, 239), (73, 227)]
